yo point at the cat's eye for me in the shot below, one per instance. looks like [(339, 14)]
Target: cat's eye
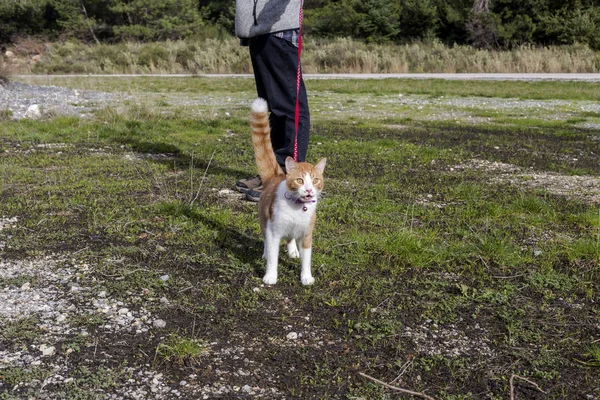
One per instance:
[(316, 180), (300, 181)]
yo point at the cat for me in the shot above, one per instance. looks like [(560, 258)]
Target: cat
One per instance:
[(288, 203)]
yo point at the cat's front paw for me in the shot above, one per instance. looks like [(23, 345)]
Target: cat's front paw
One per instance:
[(270, 279), (307, 280)]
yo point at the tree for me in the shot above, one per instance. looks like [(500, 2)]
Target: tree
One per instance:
[(481, 26), (73, 17), (156, 19), (418, 19), (23, 17), (574, 26)]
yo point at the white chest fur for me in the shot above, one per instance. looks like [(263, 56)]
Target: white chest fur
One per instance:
[(291, 220)]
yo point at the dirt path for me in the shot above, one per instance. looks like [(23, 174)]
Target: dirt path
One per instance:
[(460, 77)]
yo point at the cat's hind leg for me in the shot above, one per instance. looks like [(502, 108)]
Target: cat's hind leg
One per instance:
[(292, 249)]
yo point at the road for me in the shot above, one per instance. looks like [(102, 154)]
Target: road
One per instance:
[(483, 77)]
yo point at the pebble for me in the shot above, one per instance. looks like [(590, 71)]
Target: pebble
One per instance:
[(246, 389), (292, 336), (164, 278), (46, 350), (33, 112), (26, 286), (159, 323)]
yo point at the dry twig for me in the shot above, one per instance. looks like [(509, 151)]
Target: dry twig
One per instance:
[(203, 177), (396, 388), (512, 386)]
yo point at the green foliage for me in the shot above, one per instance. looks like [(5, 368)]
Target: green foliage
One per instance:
[(24, 17), (179, 349), (156, 20), (419, 19), (335, 19), (574, 26)]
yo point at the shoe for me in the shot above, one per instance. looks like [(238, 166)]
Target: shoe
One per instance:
[(254, 194), (244, 185)]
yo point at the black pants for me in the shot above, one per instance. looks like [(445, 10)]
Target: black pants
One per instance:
[(275, 62)]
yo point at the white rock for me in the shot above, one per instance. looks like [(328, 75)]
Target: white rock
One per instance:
[(292, 336), (246, 389), (33, 112), (26, 286), (123, 311), (159, 323), (164, 300), (47, 351), (102, 294), (164, 278)]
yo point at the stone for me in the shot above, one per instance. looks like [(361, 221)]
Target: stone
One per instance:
[(159, 323), (47, 351), (33, 112), (292, 336)]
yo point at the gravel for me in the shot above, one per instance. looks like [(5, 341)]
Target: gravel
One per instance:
[(28, 101)]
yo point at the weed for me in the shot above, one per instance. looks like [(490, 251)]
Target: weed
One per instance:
[(181, 350), (592, 354)]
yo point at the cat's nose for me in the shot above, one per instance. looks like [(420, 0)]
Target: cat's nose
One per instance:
[(309, 190)]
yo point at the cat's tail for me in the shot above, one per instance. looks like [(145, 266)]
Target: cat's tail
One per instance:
[(261, 140)]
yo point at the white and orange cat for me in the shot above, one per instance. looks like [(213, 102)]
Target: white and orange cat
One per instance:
[(288, 204)]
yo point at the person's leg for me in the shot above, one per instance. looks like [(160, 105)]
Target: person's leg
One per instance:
[(275, 62)]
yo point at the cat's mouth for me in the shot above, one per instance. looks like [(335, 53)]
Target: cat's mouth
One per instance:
[(309, 198)]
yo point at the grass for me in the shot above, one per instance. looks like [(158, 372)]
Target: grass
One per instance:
[(320, 55), (431, 277), (181, 350)]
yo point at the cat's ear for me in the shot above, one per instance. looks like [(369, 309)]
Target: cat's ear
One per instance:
[(320, 166), (290, 164)]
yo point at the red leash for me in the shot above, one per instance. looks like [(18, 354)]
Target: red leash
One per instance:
[(298, 78)]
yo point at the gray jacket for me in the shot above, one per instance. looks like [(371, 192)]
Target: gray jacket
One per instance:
[(259, 17)]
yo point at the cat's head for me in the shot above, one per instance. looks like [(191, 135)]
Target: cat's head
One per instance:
[(304, 180)]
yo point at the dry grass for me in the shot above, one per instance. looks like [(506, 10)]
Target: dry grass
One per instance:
[(342, 55), (5, 72)]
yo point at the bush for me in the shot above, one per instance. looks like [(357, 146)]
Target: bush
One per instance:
[(24, 17)]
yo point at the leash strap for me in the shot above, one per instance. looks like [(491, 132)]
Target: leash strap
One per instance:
[(298, 79)]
